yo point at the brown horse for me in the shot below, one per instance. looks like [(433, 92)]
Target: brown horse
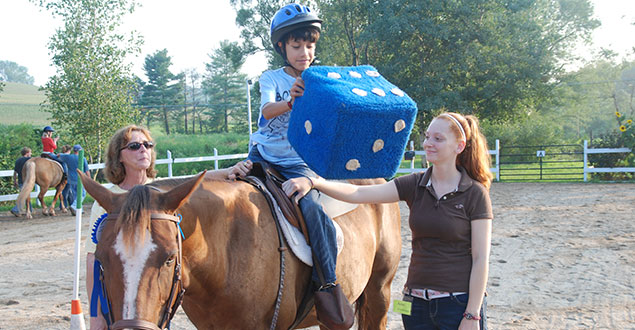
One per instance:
[(230, 265), (46, 173)]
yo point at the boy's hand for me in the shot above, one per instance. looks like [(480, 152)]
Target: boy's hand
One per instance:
[(297, 188), (240, 169), (297, 89)]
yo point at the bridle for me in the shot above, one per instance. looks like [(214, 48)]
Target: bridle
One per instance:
[(176, 292)]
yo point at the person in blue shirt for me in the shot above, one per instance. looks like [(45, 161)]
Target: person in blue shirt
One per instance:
[(295, 30), (72, 161)]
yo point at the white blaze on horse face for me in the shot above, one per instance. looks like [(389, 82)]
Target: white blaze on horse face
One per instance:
[(133, 265)]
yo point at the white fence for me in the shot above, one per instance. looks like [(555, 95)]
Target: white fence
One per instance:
[(495, 152), (588, 151), (215, 158), (169, 161)]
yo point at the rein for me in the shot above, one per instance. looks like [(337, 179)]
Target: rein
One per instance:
[(176, 293)]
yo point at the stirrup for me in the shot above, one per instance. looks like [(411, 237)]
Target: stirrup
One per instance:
[(326, 286)]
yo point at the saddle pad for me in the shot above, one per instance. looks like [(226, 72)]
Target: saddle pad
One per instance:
[(54, 162), (334, 207), (294, 237)]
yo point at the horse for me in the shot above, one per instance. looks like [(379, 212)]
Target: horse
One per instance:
[(46, 173), (229, 263)]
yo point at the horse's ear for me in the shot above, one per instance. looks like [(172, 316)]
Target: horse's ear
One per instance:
[(102, 195), (179, 195)]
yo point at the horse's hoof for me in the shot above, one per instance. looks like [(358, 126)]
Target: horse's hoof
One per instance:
[(28, 216)]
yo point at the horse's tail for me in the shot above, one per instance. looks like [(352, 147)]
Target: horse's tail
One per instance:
[(28, 183)]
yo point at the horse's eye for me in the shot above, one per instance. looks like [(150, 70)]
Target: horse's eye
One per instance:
[(170, 260)]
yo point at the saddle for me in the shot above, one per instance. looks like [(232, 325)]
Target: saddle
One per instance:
[(57, 161), (273, 182)]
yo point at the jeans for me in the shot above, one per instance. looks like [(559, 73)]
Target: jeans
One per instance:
[(69, 195), (440, 313), (320, 226)]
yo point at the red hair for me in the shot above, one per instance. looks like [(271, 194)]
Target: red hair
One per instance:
[(475, 157)]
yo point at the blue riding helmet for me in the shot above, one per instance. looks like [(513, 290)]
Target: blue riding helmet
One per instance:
[(289, 18), (48, 129)]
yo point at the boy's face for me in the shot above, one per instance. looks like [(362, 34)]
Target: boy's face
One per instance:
[(300, 53)]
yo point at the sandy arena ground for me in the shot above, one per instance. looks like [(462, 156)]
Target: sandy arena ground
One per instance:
[(563, 257)]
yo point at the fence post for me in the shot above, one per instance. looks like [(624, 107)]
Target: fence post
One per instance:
[(170, 163), (585, 159), (412, 148), (215, 160), (498, 168)]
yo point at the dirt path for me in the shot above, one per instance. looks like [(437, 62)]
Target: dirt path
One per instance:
[(562, 258)]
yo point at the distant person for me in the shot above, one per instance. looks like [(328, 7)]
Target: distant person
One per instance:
[(451, 222), (17, 176), (49, 144), (72, 161)]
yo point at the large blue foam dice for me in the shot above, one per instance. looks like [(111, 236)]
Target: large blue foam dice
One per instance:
[(351, 122)]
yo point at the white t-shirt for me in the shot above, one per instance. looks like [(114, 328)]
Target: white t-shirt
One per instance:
[(271, 137)]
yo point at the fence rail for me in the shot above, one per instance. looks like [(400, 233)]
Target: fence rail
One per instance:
[(588, 169), (495, 152), (169, 161)]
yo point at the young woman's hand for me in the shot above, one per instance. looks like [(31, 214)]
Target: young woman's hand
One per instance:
[(469, 324), (298, 187)]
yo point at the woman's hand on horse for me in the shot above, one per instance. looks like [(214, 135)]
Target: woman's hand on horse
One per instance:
[(241, 168), (298, 187)]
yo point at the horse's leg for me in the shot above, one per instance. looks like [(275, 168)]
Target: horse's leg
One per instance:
[(29, 209), (40, 196), (374, 303), (58, 194)]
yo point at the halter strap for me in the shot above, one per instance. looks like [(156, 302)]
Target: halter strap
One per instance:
[(153, 216), (176, 293)]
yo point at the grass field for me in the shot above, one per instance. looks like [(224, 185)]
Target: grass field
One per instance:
[(20, 103)]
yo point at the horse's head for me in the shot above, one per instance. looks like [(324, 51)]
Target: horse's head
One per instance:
[(139, 251)]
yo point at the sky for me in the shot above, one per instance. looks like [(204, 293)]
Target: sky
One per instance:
[(191, 29)]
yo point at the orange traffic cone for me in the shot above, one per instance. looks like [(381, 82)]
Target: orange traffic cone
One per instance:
[(77, 317)]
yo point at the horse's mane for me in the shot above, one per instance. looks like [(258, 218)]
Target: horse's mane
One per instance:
[(134, 217)]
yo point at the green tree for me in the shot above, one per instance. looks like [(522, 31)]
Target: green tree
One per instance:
[(194, 94), (497, 59), (13, 72), (254, 19), (90, 95), (163, 91), (224, 86)]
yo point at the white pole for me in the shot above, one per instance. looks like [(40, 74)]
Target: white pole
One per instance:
[(77, 317), (585, 158), (215, 159), (170, 164), (498, 167), (248, 81)]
